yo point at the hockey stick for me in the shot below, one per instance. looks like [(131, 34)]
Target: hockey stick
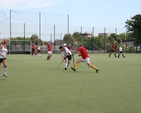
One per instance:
[(73, 62), (58, 65)]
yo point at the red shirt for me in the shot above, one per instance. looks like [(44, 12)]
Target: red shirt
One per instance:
[(83, 52), (113, 47), (49, 47), (69, 47), (33, 46)]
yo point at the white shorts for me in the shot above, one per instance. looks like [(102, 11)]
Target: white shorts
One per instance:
[(87, 60), (50, 52)]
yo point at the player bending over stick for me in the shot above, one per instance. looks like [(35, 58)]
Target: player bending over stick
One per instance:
[(67, 55)]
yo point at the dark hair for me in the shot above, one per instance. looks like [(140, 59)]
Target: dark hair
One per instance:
[(60, 47)]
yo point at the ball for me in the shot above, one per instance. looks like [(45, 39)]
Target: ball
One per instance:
[(65, 44)]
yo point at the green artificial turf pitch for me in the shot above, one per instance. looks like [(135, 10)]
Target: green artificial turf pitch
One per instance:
[(33, 86)]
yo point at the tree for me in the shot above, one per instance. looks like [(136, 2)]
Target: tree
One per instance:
[(89, 43), (34, 39), (68, 39), (77, 36), (122, 36), (133, 26)]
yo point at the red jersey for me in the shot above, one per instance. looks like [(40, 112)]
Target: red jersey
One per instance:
[(33, 46), (49, 47), (83, 52), (69, 47), (113, 47)]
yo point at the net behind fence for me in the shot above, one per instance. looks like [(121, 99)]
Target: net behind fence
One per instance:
[(20, 46)]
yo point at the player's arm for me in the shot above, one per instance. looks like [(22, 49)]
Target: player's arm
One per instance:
[(74, 52), (63, 55)]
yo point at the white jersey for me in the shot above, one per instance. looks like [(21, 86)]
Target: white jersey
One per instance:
[(120, 48), (39, 48), (67, 51), (3, 52), (63, 53)]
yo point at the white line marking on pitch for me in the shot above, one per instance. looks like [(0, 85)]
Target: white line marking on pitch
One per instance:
[(5, 104)]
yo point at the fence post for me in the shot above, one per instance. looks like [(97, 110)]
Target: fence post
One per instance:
[(10, 33), (54, 38), (24, 38), (51, 37), (115, 30), (40, 25), (126, 40), (104, 39), (61, 39), (68, 23), (93, 37)]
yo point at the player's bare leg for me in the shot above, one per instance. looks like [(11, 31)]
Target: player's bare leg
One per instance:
[(94, 67)]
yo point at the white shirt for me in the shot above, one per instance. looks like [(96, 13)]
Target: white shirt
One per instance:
[(3, 52), (63, 53), (39, 47), (120, 48), (67, 51)]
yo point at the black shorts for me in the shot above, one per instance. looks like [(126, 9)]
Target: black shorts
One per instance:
[(120, 52), (33, 49), (1, 59), (69, 57)]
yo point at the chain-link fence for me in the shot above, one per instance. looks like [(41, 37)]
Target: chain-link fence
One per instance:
[(51, 27)]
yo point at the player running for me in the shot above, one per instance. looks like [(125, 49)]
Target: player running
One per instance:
[(120, 52), (3, 52), (112, 50), (39, 50), (85, 58), (33, 48), (49, 49), (66, 54)]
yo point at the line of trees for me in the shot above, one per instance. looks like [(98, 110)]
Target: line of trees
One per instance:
[(100, 42), (103, 42)]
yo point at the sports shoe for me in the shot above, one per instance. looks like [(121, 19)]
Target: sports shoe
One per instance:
[(97, 70), (73, 69), (5, 75), (65, 68)]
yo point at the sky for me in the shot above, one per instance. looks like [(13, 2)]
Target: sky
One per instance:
[(89, 13)]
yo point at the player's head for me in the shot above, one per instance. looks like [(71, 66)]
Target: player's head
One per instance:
[(80, 45), (48, 43), (61, 48), (4, 41)]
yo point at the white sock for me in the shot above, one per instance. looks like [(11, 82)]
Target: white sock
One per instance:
[(66, 65), (5, 69)]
